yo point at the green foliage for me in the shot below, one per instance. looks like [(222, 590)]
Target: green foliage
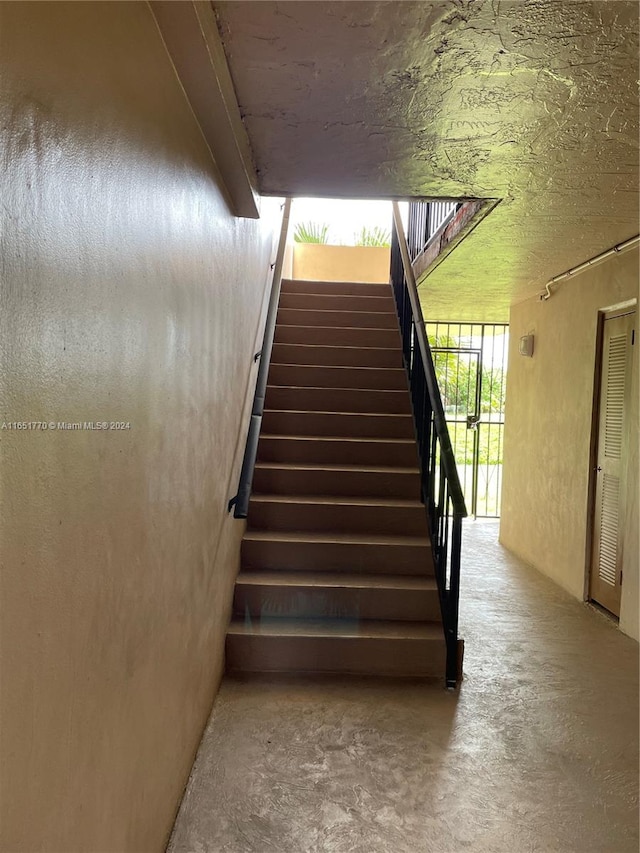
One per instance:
[(457, 379), (492, 391), (311, 232), (377, 236), (489, 441)]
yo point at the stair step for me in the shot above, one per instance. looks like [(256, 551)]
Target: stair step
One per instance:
[(322, 448), (341, 356), (338, 302), (414, 649), (337, 514), (309, 479), (332, 552), (312, 376), (338, 319), (342, 288), (348, 336), (346, 400), (365, 425), (338, 595)]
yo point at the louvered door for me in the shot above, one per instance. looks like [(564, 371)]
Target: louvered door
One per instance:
[(614, 398)]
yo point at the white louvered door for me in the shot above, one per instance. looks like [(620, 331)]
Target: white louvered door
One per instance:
[(614, 399)]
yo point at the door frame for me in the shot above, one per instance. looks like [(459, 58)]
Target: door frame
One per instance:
[(628, 306)]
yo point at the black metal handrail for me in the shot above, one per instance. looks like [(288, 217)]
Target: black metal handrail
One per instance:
[(240, 502), (441, 490)]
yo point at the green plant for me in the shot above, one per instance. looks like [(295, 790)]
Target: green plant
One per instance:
[(457, 376), (376, 236), (311, 232)]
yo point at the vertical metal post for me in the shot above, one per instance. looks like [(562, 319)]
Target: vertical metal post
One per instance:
[(453, 602)]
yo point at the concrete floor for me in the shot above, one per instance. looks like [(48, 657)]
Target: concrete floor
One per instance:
[(537, 752)]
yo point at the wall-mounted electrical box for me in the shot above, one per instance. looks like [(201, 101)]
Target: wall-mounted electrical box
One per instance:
[(526, 346)]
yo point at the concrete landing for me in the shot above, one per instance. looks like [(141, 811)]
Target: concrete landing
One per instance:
[(538, 752)]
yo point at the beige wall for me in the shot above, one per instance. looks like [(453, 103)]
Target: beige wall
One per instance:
[(317, 262), (548, 431), (129, 293)]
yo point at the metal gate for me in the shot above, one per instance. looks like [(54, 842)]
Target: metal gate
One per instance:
[(471, 365)]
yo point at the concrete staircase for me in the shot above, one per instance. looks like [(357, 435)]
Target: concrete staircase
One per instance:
[(337, 570)]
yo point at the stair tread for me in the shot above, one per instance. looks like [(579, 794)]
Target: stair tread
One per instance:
[(331, 281), (308, 287), (281, 325), (341, 467), (334, 412), (349, 367), (323, 537), (369, 628), (340, 580), (350, 414), (390, 310), (338, 500), (327, 388), (340, 346), (314, 438), (402, 391), (383, 297)]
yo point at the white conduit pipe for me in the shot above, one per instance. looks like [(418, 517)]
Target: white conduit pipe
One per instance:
[(617, 250)]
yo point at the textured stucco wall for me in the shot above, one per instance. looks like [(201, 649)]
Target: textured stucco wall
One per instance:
[(317, 262), (548, 431), (129, 293)]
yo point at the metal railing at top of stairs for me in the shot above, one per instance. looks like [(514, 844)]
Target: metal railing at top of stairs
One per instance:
[(240, 502), (426, 218), (441, 490)]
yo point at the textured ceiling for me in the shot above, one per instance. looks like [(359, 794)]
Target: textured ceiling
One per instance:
[(534, 102)]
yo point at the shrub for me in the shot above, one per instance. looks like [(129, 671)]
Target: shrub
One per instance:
[(311, 232), (373, 237)]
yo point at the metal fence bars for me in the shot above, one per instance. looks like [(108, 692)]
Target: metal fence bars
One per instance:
[(425, 220), (441, 490), (470, 360)]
